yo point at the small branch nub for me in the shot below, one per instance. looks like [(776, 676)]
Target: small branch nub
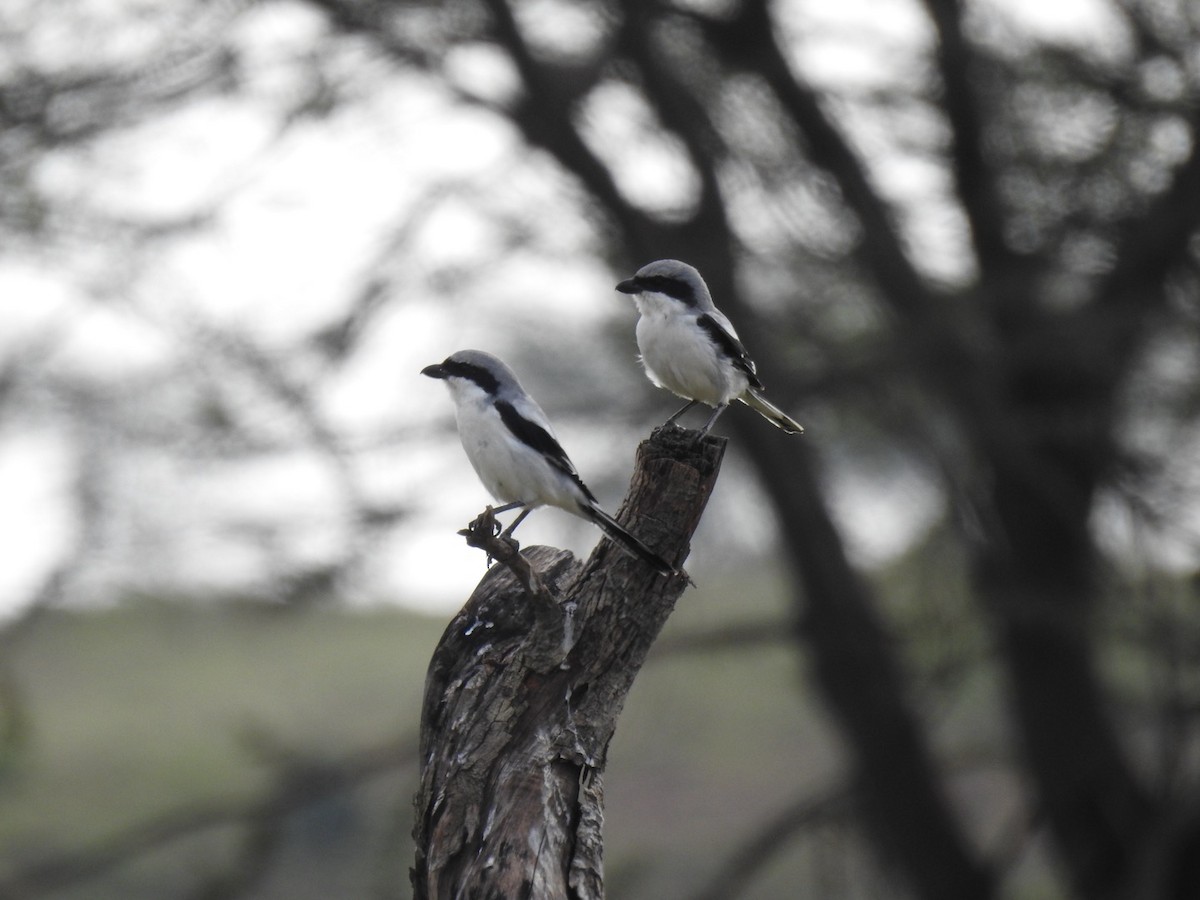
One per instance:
[(484, 534)]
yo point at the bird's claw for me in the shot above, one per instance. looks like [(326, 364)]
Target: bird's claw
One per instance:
[(484, 522)]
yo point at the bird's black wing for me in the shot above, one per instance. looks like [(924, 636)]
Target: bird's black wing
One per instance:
[(541, 440), (731, 347)]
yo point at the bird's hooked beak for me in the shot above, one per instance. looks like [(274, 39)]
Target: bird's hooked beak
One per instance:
[(628, 287), (434, 371)]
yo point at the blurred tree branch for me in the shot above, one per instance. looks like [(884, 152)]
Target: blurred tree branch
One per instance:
[(299, 782), (754, 853)]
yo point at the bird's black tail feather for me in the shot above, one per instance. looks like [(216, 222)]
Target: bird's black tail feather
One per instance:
[(613, 529)]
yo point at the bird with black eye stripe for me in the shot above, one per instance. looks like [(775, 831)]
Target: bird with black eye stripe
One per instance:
[(690, 348), (512, 447)]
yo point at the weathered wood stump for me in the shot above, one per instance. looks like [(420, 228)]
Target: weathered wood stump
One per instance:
[(525, 687)]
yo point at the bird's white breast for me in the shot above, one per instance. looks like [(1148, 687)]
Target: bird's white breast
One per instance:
[(679, 355), (511, 470)]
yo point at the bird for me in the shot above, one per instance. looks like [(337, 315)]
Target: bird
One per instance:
[(512, 447), (690, 348)]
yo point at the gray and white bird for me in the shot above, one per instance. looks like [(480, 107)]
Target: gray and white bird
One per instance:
[(512, 447), (690, 348)]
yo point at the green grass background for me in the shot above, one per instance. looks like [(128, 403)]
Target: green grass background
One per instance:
[(153, 707)]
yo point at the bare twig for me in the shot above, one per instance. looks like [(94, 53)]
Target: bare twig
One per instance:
[(483, 534)]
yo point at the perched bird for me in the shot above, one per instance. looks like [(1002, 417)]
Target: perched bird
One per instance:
[(690, 348), (510, 443)]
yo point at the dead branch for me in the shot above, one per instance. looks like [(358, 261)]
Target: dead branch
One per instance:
[(522, 697)]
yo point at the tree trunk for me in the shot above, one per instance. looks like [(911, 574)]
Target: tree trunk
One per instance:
[(525, 687)]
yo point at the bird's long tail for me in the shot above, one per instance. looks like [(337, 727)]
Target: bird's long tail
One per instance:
[(770, 412), (613, 529)]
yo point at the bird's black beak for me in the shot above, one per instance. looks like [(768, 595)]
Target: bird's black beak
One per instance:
[(434, 371), (628, 287)]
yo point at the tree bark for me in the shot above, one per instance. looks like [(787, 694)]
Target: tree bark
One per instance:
[(525, 687)]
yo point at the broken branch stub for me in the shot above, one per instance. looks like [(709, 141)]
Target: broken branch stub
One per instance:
[(525, 687)]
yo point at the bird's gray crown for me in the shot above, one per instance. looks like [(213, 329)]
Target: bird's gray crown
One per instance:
[(489, 373), (673, 278)]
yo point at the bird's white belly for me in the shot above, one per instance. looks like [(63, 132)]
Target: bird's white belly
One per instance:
[(511, 471), (680, 357)]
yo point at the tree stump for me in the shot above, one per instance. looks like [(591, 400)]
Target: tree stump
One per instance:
[(525, 687)]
